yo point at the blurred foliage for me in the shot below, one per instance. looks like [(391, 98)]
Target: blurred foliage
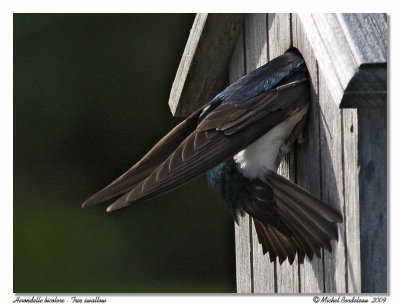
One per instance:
[(90, 98)]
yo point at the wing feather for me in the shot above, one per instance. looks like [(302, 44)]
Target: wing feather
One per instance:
[(197, 153), (217, 149), (148, 163), (227, 124)]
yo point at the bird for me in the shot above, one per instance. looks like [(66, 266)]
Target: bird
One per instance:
[(238, 139)]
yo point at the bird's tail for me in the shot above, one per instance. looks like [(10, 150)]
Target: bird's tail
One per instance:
[(301, 223)]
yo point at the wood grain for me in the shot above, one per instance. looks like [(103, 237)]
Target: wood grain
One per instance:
[(203, 70), (351, 192), (256, 55), (341, 44), (243, 243), (332, 183), (279, 40), (308, 157)]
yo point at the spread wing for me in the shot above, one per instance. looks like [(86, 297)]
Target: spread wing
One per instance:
[(225, 131)]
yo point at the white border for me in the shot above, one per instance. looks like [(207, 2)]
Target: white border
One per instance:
[(41, 6)]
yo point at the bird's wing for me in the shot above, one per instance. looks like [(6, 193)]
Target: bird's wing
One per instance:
[(238, 106), (148, 163), (226, 130)]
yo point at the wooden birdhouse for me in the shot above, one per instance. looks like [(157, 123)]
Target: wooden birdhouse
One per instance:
[(344, 158)]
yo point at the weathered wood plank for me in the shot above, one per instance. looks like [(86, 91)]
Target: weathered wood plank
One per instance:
[(256, 55), (279, 40), (244, 259), (186, 62), (343, 42), (308, 158), (279, 34), (372, 148), (332, 184), (366, 35), (351, 196), (287, 277), (243, 243), (237, 67), (205, 59), (331, 50), (256, 41)]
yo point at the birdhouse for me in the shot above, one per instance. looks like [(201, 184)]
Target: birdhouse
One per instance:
[(343, 160)]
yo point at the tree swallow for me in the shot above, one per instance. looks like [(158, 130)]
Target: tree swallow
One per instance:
[(239, 138)]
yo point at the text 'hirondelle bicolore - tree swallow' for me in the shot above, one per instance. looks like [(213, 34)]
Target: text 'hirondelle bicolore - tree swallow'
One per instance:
[(239, 138)]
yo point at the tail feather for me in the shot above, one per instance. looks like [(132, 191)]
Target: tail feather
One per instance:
[(317, 223), (287, 248), (265, 239), (301, 223), (304, 222), (303, 197), (306, 238), (276, 244), (307, 243)]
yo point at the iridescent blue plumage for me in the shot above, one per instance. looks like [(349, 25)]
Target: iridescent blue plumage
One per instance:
[(231, 185), (260, 80)]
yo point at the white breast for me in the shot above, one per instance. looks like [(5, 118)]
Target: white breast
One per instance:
[(262, 154)]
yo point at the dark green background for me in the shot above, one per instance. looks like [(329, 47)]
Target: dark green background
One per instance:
[(90, 98)]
